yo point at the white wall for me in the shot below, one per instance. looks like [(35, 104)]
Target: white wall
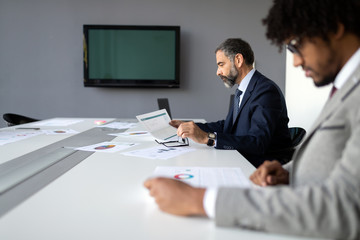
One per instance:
[(41, 72), (304, 100)]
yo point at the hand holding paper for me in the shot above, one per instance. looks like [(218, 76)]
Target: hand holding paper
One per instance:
[(157, 123)]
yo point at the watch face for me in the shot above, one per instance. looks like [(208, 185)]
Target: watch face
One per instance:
[(210, 142), (211, 135)]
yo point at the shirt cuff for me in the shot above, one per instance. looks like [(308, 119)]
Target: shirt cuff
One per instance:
[(209, 202)]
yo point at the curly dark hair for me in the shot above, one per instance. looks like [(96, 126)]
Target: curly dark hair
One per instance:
[(233, 46), (310, 18)]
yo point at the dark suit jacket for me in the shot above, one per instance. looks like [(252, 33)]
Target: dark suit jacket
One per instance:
[(261, 126)]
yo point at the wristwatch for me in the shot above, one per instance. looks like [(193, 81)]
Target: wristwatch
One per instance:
[(211, 141)]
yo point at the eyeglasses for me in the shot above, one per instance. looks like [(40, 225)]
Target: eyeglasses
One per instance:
[(181, 142), (293, 46)]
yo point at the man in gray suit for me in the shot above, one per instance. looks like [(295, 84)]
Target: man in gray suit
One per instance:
[(318, 192)]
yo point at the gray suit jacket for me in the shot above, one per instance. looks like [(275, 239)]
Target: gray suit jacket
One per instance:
[(323, 199)]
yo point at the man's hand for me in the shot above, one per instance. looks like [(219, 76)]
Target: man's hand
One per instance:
[(190, 130), (270, 173), (176, 197), (175, 123)]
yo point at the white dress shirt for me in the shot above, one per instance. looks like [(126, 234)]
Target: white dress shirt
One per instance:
[(245, 83), (347, 70)]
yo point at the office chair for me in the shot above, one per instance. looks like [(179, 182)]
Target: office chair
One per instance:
[(285, 155), (15, 119), (164, 104), (296, 135)]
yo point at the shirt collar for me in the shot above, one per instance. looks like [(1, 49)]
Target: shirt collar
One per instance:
[(347, 70), (246, 80)]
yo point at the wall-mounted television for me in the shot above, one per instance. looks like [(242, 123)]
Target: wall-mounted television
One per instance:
[(131, 56)]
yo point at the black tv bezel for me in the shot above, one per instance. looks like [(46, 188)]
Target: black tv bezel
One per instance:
[(132, 83)]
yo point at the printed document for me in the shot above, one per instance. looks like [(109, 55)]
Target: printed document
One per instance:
[(14, 136), (108, 147), (157, 123), (159, 152), (119, 125), (57, 122), (205, 176)]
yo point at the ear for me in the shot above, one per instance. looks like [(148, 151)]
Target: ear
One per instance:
[(340, 31), (239, 60)]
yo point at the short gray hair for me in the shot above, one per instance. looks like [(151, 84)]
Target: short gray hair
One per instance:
[(233, 46)]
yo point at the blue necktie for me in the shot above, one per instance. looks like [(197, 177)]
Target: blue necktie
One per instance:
[(236, 104)]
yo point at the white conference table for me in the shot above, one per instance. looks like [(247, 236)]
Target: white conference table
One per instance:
[(103, 197)]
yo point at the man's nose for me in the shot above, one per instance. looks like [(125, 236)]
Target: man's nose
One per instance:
[(297, 60)]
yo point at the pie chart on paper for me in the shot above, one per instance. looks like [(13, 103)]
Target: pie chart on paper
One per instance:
[(104, 147), (183, 176)]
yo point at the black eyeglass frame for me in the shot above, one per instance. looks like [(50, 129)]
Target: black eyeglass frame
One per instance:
[(293, 46), (181, 142)]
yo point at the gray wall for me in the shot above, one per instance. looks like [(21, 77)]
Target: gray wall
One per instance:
[(41, 55)]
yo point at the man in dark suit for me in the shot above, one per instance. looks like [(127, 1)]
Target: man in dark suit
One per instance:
[(257, 124)]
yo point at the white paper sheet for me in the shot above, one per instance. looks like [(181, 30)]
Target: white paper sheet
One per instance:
[(131, 134), (14, 136), (57, 122), (159, 152), (59, 131), (205, 176), (157, 123), (119, 125), (109, 147)]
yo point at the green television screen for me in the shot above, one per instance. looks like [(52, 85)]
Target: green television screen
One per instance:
[(131, 56)]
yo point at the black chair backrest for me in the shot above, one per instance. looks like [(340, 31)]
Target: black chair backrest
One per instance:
[(296, 135), (164, 104), (16, 119), (285, 155)]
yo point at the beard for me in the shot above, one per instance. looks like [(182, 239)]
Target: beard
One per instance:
[(329, 75), (230, 80), (325, 80)]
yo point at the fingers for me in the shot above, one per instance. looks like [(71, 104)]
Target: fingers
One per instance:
[(270, 173), (258, 176), (175, 123), (265, 171), (182, 133), (270, 180), (265, 174), (191, 130), (153, 183), (148, 183), (176, 197), (186, 129)]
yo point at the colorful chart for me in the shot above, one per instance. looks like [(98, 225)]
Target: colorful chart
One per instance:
[(100, 122), (59, 131), (183, 176), (138, 133), (104, 147)]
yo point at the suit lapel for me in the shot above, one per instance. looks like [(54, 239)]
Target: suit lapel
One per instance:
[(335, 102), (248, 93), (331, 105)]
